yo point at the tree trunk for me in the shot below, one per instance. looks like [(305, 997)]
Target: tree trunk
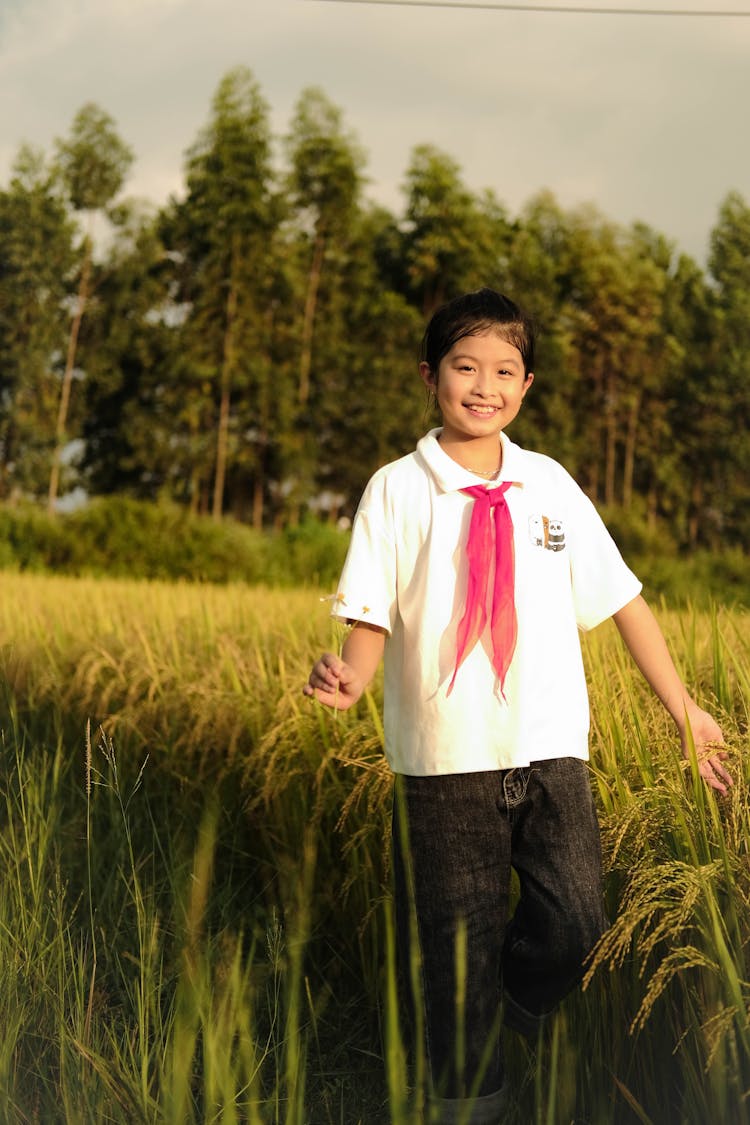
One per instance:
[(62, 413), (227, 369), (629, 466), (194, 490), (222, 443), (595, 448), (696, 504), (610, 460), (311, 300), (257, 516)]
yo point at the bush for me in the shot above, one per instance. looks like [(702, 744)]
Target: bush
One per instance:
[(314, 552), (131, 538), (31, 540), (678, 577), (634, 536), (699, 578), (135, 539)]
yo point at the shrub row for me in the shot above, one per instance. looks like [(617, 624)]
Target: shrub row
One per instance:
[(122, 537)]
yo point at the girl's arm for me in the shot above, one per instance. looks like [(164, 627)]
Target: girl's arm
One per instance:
[(339, 681), (640, 631)]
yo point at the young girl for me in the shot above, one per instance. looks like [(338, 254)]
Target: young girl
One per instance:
[(473, 564)]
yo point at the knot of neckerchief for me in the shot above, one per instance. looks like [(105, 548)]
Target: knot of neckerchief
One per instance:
[(490, 519)]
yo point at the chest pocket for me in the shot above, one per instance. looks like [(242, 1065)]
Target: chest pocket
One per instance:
[(547, 533)]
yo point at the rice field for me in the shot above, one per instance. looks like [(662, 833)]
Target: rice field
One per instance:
[(195, 909)]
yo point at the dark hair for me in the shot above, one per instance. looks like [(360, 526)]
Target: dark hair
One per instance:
[(473, 314)]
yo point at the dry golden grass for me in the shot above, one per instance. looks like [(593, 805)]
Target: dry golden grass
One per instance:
[(206, 681)]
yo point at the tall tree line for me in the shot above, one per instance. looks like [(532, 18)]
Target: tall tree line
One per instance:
[(250, 347)]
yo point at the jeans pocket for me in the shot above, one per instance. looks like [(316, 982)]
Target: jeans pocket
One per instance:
[(515, 784)]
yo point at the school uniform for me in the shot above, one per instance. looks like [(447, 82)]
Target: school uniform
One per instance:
[(490, 774), (406, 572)]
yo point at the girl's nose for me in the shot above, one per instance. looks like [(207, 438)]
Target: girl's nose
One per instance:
[(482, 384)]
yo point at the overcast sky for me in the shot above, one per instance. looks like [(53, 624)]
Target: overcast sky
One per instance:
[(644, 116)]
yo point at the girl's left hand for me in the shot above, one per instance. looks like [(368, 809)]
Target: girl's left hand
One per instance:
[(709, 742)]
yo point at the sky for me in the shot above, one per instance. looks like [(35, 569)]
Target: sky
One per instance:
[(643, 116)]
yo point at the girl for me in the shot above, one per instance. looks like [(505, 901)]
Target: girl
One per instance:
[(473, 564)]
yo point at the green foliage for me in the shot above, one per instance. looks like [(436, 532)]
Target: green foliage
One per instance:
[(311, 552), (118, 536), (696, 578), (36, 254), (325, 162), (634, 535), (671, 574), (123, 537), (223, 236), (730, 399), (136, 407), (30, 539), (93, 160), (93, 163), (251, 348), (453, 241)]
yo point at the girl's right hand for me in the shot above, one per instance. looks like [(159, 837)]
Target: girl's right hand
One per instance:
[(334, 683)]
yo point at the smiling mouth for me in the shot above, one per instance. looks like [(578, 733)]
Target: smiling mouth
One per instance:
[(476, 408)]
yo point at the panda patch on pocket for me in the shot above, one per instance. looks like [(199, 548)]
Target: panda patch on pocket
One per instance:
[(544, 531)]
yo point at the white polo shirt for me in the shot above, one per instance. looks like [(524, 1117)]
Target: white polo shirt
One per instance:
[(406, 571)]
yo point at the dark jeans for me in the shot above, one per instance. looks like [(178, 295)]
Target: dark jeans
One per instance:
[(455, 839)]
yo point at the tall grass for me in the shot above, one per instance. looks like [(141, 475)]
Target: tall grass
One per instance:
[(195, 919)]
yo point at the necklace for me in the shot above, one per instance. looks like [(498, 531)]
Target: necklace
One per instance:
[(488, 474)]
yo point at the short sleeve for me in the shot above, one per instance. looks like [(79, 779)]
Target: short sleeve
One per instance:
[(602, 583), (367, 587)]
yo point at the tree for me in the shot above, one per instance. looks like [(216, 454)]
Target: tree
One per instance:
[(538, 278), (134, 397), (452, 241), (93, 162), (324, 184), (612, 290), (222, 233), (729, 265), (323, 199), (36, 254), (689, 381), (642, 442), (371, 407)]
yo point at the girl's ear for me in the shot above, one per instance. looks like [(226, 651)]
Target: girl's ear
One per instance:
[(429, 380), (528, 381)]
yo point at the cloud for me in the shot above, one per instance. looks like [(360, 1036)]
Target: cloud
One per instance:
[(643, 117)]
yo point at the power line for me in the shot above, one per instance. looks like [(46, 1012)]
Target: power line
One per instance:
[(564, 9)]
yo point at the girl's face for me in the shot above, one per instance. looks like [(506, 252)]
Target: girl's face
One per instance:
[(480, 385)]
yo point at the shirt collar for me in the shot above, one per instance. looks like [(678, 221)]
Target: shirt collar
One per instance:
[(451, 477)]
